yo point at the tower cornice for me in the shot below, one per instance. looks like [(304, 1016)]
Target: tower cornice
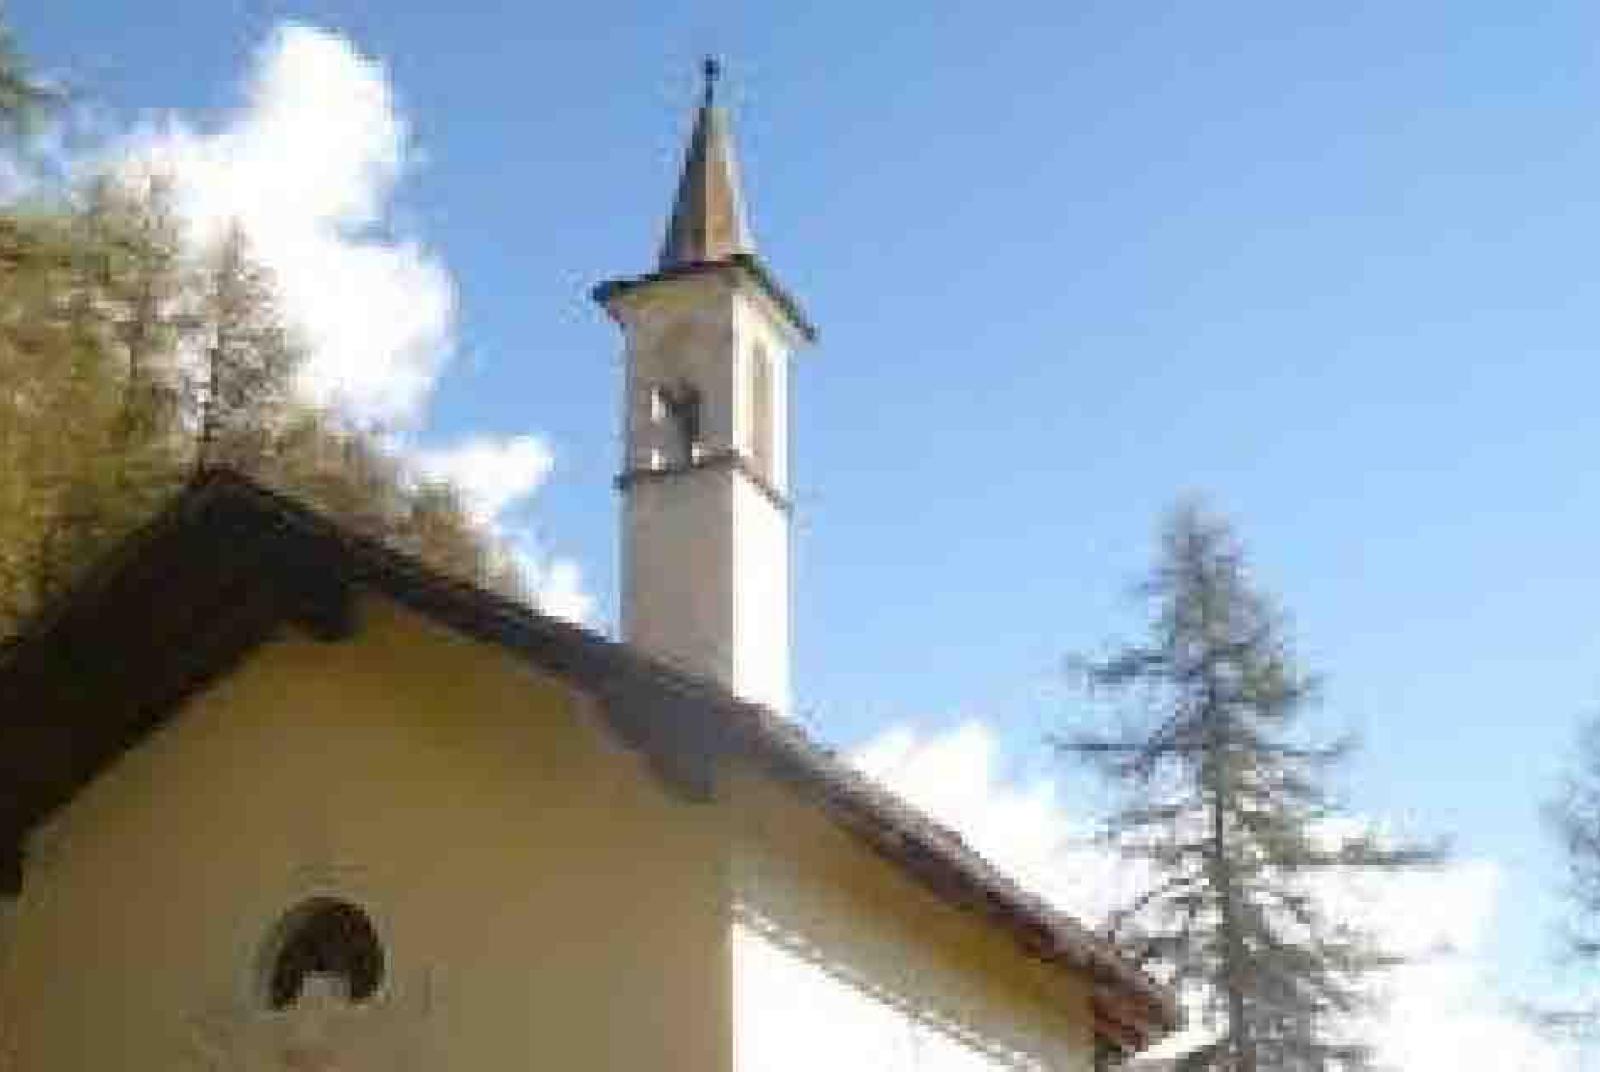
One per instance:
[(725, 459), (747, 267)]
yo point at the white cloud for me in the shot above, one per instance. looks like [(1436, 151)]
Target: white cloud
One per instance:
[(1443, 1009), (955, 777), (558, 587), (492, 474), (496, 475), (307, 166), (1440, 1013)]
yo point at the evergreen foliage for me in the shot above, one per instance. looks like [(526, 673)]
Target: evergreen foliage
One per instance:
[(127, 362), (1231, 814)]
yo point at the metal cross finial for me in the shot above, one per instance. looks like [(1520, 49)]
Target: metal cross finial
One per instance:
[(712, 69)]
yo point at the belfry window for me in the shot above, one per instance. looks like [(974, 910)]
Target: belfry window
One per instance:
[(676, 409), (325, 938)]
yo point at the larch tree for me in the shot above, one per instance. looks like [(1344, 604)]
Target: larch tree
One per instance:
[(129, 360), (1230, 815), (57, 394), (244, 359)]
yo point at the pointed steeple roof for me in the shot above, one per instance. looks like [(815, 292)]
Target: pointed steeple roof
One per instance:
[(708, 218), (709, 234)]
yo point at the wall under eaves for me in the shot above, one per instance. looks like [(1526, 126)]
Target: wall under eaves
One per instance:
[(843, 961)]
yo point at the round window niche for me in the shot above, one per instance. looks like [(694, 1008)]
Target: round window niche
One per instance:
[(327, 939)]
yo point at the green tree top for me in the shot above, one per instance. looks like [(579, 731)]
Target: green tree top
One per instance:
[(128, 359)]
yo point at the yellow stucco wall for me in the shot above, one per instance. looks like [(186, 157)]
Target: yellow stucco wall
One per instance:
[(546, 903), (811, 887), (544, 900)]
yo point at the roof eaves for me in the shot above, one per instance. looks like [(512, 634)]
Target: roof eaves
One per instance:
[(750, 265)]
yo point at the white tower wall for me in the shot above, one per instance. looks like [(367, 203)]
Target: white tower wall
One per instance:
[(706, 530)]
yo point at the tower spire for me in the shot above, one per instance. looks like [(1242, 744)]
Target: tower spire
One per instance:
[(708, 221)]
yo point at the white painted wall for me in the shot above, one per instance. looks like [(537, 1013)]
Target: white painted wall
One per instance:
[(840, 962), (760, 596), (705, 551), (792, 1013), (677, 566)]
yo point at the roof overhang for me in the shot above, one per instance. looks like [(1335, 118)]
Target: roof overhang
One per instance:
[(230, 561), (738, 267)]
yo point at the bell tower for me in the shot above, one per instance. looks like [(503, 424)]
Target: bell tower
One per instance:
[(707, 340)]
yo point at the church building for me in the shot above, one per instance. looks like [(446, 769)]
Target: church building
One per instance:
[(274, 795)]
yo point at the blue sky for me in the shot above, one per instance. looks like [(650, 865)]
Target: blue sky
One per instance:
[(1329, 265)]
